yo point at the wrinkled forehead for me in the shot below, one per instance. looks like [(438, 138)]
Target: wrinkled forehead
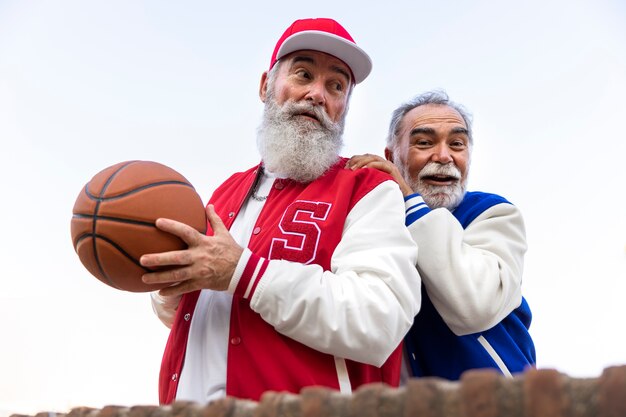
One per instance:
[(431, 115), (324, 62)]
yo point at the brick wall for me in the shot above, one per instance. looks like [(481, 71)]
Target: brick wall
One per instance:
[(484, 393)]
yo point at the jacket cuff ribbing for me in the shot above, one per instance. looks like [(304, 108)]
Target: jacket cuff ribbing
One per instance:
[(415, 208), (248, 273)]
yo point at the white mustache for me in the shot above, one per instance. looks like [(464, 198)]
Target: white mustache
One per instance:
[(292, 108), (435, 168)]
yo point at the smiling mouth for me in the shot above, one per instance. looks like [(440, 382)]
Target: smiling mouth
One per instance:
[(440, 179)]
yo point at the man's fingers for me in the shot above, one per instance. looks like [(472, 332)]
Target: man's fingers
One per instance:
[(179, 289), (215, 221), (172, 276), (186, 233), (179, 257), (357, 161), (375, 162), (360, 161)]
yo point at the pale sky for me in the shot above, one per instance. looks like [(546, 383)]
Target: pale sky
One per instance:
[(86, 84)]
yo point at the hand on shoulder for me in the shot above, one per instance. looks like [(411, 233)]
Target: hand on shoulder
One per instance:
[(378, 162)]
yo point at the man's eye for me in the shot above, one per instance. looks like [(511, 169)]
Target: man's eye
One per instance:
[(303, 74), (338, 86)]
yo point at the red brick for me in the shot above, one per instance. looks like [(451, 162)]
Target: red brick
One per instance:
[(510, 397), (320, 402), (583, 394), (43, 414), (224, 407), (273, 404), (365, 401), (424, 398), (545, 394), (184, 409), (391, 402), (113, 411), (612, 392), (82, 412), (478, 393), (145, 411)]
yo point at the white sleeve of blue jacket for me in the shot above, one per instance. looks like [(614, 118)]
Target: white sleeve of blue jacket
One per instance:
[(474, 275)]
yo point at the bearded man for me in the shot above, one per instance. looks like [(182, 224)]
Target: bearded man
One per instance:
[(471, 246), (307, 274)]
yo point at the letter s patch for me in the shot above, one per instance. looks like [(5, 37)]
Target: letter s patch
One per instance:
[(301, 231)]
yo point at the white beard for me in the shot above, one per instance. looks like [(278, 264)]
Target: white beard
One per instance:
[(295, 147), (436, 196)]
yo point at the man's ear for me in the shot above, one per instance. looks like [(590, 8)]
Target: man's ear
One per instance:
[(389, 154), (263, 87)]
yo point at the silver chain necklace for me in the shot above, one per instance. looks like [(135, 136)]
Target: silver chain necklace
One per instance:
[(256, 187)]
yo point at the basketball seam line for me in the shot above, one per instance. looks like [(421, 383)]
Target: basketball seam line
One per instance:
[(95, 249), (116, 246), (114, 219), (136, 190)]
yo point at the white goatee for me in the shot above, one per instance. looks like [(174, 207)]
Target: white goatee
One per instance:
[(436, 196)]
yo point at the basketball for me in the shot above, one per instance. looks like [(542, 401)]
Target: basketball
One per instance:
[(113, 220)]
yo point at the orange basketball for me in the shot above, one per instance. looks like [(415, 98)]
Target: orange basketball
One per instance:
[(114, 214)]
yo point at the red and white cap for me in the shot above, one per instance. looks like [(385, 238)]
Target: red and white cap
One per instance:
[(324, 35)]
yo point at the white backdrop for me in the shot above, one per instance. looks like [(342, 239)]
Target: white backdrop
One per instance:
[(84, 85)]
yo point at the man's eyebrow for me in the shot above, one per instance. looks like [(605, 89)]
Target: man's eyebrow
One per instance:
[(342, 72), (334, 68), (423, 130), (302, 58), (431, 131)]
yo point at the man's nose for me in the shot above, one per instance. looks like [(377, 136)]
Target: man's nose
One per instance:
[(442, 155), (316, 93)]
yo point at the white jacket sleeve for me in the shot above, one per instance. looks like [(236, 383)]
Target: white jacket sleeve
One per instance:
[(473, 276), (360, 309), (164, 307)]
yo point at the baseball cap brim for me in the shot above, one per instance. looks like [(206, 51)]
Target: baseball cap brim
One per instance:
[(354, 57)]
